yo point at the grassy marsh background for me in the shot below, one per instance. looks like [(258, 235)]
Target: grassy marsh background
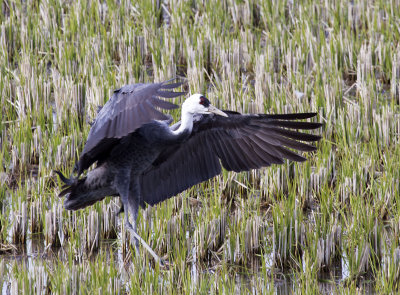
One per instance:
[(328, 225)]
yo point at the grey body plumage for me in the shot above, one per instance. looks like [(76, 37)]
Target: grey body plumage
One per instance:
[(145, 161)]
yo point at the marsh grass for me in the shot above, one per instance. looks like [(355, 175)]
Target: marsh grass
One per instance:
[(328, 225)]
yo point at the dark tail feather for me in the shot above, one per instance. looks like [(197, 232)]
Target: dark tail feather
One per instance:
[(67, 181), (69, 184), (79, 194)]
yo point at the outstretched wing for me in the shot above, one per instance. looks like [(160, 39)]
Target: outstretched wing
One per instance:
[(128, 109), (240, 142)]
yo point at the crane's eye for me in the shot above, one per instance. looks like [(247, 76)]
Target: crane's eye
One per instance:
[(204, 101)]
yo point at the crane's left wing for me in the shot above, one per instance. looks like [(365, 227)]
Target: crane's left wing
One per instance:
[(239, 142)]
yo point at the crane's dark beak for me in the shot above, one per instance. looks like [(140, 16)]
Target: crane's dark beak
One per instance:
[(214, 110)]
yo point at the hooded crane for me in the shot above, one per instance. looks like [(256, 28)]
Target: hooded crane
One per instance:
[(145, 161)]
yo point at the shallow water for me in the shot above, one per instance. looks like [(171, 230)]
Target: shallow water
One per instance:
[(35, 256)]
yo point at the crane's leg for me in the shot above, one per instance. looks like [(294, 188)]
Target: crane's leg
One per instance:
[(133, 209), (132, 227), (122, 181), (129, 192)]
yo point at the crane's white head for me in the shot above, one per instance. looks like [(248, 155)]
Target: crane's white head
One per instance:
[(199, 104)]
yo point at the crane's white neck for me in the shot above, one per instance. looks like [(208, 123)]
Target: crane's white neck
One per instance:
[(186, 123)]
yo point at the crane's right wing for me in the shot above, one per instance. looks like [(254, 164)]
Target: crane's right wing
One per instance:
[(239, 142), (128, 109)]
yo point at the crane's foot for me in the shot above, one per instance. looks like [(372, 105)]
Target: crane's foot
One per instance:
[(144, 244)]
